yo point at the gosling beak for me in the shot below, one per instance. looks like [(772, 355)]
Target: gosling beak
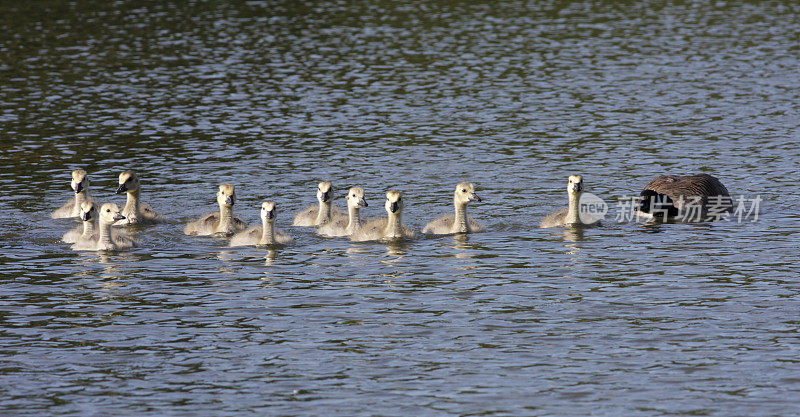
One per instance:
[(78, 187), (122, 188), (577, 187), (85, 216), (393, 207), (362, 202), (118, 216), (326, 196), (474, 197), (271, 214), (229, 200)]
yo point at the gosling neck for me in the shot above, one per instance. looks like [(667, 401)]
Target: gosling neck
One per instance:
[(88, 228), (394, 227), (355, 221), (573, 212), (132, 203), (104, 241), (460, 219), (324, 214), (225, 218), (80, 198), (267, 232)]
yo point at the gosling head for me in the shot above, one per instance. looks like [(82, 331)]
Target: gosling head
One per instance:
[(79, 181), (394, 202), (128, 182), (324, 192), (355, 198), (226, 196), (465, 192), (575, 184), (88, 211), (268, 211), (109, 213)]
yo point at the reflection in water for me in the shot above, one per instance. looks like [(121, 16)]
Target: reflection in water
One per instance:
[(573, 234), (228, 259)]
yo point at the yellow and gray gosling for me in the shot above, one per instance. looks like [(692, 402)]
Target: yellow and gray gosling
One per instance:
[(135, 212), (266, 234), (88, 230), (390, 227), (570, 215), (222, 221), (342, 225), (72, 208), (105, 240), (458, 222), (318, 215)]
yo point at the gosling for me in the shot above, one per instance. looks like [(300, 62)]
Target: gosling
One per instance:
[(458, 222), (690, 198), (317, 215), (342, 225), (221, 222), (387, 228), (266, 234), (135, 212), (88, 230), (569, 216), (72, 208), (105, 240)]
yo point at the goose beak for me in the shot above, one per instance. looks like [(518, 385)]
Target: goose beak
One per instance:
[(85, 216), (577, 187), (326, 196), (229, 200), (118, 216), (393, 207), (362, 202), (271, 214), (474, 197), (122, 188), (78, 187)]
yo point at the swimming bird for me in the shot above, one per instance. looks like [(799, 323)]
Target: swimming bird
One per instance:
[(390, 227), (458, 222), (88, 230), (72, 208), (220, 222), (689, 198), (342, 225), (105, 240), (317, 215), (135, 212), (266, 234), (569, 216)]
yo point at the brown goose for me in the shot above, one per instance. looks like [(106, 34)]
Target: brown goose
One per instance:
[(676, 197)]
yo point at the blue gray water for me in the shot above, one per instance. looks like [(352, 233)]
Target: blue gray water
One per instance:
[(274, 96)]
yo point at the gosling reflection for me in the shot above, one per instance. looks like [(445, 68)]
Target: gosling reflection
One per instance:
[(573, 234), (270, 256)]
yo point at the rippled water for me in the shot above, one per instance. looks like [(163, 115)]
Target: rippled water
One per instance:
[(621, 319)]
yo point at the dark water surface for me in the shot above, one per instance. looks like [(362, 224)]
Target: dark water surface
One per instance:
[(623, 319)]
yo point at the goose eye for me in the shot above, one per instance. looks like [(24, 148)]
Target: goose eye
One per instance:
[(463, 190)]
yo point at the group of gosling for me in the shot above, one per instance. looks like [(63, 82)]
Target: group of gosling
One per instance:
[(98, 233)]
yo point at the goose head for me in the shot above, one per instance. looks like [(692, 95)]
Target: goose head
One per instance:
[(128, 182), (226, 196), (88, 211), (79, 181), (324, 192), (268, 211), (575, 184), (355, 198), (465, 193), (109, 213), (394, 202)]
